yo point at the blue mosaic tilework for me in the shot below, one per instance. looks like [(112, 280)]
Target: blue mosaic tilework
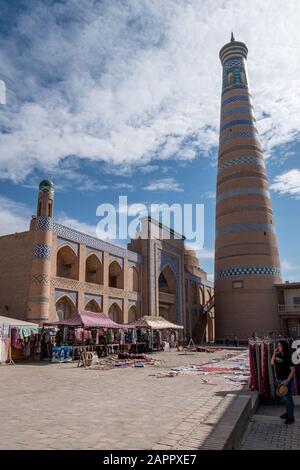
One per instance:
[(97, 298), (237, 110), (239, 134), (61, 293), (42, 252), (238, 122), (44, 223), (92, 251), (249, 271), (232, 99), (120, 261), (243, 192), (242, 160), (115, 300), (245, 227), (233, 62), (79, 237), (62, 242)]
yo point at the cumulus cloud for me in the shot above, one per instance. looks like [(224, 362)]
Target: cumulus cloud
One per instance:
[(288, 183), (164, 184), (14, 216), (128, 82)]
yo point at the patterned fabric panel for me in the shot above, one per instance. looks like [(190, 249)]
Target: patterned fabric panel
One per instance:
[(238, 122), (243, 192), (246, 227), (250, 270), (238, 135), (42, 252), (242, 160)]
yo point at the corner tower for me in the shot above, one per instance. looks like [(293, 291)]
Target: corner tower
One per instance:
[(39, 292), (247, 260)]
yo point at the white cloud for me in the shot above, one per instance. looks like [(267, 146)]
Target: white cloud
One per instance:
[(165, 184), (288, 183), (124, 83), (14, 216)]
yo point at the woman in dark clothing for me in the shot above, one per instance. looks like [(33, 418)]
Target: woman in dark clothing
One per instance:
[(285, 372)]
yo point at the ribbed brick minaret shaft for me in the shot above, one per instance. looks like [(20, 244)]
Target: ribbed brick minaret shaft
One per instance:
[(247, 261)]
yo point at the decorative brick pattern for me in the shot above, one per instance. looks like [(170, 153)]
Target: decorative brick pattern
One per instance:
[(241, 161), (249, 271), (232, 99), (42, 252), (243, 192), (238, 110), (246, 227), (239, 135), (38, 299), (40, 279), (255, 148), (44, 223), (238, 122)]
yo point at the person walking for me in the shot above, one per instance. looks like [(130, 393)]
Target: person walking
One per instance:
[(285, 372)]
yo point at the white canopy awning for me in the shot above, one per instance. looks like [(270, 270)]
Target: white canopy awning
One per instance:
[(156, 323), (14, 322)]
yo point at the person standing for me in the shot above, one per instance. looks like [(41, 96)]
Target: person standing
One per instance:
[(285, 372)]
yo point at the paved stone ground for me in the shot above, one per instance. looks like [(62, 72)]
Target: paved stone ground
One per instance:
[(58, 406), (266, 431)]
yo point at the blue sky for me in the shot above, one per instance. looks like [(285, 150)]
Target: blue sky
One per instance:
[(112, 98)]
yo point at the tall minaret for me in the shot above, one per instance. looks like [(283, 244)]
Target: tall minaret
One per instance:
[(247, 260), (39, 291)]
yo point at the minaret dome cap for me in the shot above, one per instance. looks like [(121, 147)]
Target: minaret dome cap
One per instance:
[(46, 185), (233, 49)]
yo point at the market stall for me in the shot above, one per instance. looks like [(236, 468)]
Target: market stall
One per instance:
[(19, 339), (84, 331), (156, 332)]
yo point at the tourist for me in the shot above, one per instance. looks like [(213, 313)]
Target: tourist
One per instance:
[(285, 372), (236, 341)]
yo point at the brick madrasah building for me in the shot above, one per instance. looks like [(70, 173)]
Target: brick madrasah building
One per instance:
[(51, 270)]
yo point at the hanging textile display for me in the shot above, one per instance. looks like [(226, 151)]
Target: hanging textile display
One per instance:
[(262, 373)]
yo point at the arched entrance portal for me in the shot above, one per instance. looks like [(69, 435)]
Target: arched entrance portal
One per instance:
[(167, 294), (132, 314), (64, 308)]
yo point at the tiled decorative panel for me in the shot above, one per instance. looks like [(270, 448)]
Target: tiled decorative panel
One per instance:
[(114, 300), (62, 242), (246, 227), (242, 160), (78, 237), (97, 298), (60, 293), (243, 192), (44, 223), (239, 135), (120, 261), (42, 252), (249, 271), (99, 254)]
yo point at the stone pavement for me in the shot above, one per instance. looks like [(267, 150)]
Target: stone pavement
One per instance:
[(266, 431), (60, 406)]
